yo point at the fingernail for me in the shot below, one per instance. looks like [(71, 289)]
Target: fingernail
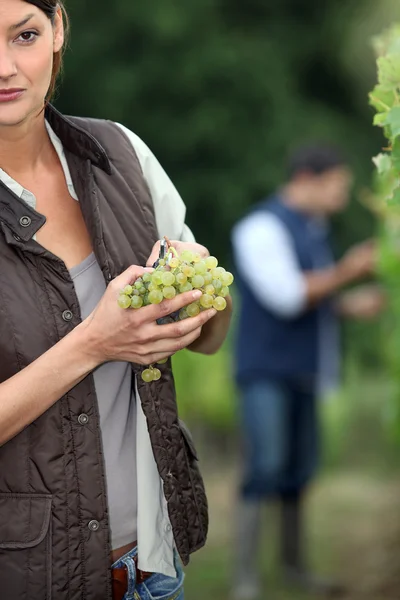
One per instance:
[(197, 294)]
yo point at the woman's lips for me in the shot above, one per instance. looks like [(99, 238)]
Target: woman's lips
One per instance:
[(11, 94)]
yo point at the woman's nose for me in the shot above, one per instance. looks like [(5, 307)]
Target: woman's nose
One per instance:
[(8, 68)]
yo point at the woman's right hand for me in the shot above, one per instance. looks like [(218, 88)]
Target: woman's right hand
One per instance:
[(133, 335)]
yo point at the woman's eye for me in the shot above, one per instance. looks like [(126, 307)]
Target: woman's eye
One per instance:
[(27, 36)]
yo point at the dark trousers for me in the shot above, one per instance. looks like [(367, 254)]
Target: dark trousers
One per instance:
[(280, 434)]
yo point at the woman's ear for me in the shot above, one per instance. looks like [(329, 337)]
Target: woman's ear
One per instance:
[(58, 31)]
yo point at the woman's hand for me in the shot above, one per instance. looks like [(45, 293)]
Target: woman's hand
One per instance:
[(115, 334), (179, 247)]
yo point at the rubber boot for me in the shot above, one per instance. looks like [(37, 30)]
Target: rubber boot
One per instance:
[(295, 569), (246, 582)]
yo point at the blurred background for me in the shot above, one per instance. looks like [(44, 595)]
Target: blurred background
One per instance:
[(221, 90)]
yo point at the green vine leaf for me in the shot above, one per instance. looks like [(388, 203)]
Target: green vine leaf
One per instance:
[(389, 71), (383, 163), (395, 199), (381, 119), (393, 120), (382, 100), (396, 155)]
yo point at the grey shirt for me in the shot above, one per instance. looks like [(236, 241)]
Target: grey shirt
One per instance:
[(117, 407)]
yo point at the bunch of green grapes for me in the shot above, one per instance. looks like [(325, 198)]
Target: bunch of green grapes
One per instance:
[(177, 274)]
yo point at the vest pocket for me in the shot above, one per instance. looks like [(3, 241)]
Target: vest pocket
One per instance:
[(198, 530), (25, 546)]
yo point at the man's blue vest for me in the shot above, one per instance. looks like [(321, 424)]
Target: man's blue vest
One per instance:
[(271, 346)]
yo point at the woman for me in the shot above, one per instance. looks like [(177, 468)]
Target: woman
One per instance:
[(100, 495)]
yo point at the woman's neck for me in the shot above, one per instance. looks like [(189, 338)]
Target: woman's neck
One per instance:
[(23, 147)]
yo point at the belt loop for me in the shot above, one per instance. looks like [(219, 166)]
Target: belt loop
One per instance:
[(130, 564)]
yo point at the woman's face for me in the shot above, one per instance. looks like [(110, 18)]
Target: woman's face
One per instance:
[(28, 40)]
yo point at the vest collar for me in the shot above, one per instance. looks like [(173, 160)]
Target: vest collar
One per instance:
[(77, 140)]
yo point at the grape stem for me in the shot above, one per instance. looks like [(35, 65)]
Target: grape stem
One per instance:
[(173, 251)]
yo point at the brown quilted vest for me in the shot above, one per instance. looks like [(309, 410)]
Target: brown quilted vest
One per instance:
[(52, 478)]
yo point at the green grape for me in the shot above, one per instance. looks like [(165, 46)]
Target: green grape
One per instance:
[(196, 257), (181, 279), (168, 278), (143, 290), (163, 361), (193, 309), (156, 278), (152, 287), (124, 301), (227, 279), (216, 274), (198, 281), (183, 314), (200, 268), (210, 290), (224, 292), (169, 292), (174, 263), (136, 293), (162, 262), (128, 290), (146, 277), (136, 302), (206, 301), (148, 375), (146, 300), (186, 256), (138, 284), (217, 283), (207, 278), (188, 271), (219, 303), (186, 287), (156, 374), (211, 262), (156, 296)]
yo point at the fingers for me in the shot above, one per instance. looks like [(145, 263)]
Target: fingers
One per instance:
[(167, 347), (185, 327), (128, 277), (167, 307), (193, 247)]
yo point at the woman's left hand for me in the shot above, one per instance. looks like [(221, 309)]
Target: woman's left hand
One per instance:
[(179, 247)]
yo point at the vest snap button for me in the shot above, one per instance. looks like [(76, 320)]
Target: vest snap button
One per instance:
[(94, 525), (83, 419), (25, 221), (67, 315)]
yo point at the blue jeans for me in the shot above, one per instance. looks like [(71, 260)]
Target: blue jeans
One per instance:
[(280, 434), (156, 587)]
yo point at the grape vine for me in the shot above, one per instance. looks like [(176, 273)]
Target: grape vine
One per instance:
[(385, 98)]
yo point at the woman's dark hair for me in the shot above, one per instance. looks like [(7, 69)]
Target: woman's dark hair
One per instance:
[(316, 158), (50, 7)]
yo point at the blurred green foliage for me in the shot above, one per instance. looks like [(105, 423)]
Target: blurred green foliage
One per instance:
[(220, 90), (385, 98)]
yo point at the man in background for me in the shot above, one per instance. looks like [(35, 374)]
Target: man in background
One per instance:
[(287, 350)]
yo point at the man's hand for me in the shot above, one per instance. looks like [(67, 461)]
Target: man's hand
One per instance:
[(364, 302), (358, 262), (179, 247)]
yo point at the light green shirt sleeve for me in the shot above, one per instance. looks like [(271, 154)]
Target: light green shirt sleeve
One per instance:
[(169, 207)]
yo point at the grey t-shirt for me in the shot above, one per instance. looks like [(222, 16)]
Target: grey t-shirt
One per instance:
[(117, 406)]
